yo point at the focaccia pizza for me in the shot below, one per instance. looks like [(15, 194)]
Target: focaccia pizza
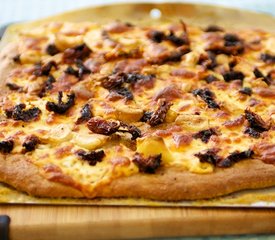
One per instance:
[(166, 111)]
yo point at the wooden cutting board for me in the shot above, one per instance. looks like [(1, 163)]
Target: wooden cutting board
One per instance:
[(88, 222)]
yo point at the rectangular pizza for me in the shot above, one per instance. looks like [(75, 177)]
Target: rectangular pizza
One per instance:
[(164, 111)]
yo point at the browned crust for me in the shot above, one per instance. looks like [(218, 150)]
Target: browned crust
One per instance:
[(17, 171), (168, 184), (172, 184)]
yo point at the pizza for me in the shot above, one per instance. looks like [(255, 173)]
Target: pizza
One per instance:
[(164, 111)]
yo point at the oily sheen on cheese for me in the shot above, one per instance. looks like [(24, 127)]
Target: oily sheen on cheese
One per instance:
[(173, 96)]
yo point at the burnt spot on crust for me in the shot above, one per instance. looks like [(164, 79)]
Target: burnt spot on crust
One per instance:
[(258, 74), (92, 157), (256, 124), (246, 91), (233, 75), (47, 86), (158, 116), (267, 58), (205, 135), (52, 49), (61, 107), (44, 70), (147, 164), (14, 87), (108, 127), (85, 113), (209, 156), (78, 52), (234, 158), (6, 146), (18, 113), (214, 28), (207, 96), (30, 143)]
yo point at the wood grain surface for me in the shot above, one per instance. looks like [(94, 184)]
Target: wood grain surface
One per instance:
[(72, 223)]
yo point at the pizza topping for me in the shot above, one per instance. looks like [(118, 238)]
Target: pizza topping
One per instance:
[(168, 93), (235, 157), (266, 152), (51, 49), (182, 139), (233, 75), (208, 60), (92, 157), (147, 164), (6, 146), (234, 123), (45, 69), (207, 96), (157, 117), (108, 127), (258, 74), (256, 124), (205, 135), (16, 58), (102, 126), (30, 143), (210, 78), (214, 28), (120, 92), (14, 87), (48, 85), (209, 156), (156, 36), (79, 52), (246, 91), (18, 113), (86, 114), (80, 72), (61, 107), (265, 92), (267, 58)]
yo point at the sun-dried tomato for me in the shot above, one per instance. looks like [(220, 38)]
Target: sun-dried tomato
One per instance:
[(207, 96), (102, 126), (48, 85), (209, 156), (258, 74), (159, 115), (6, 146), (156, 36), (52, 49), (267, 58), (86, 114), (246, 91), (208, 61), (210, 78), (14, 87), (108, 127), (61, 107), (123, 92), (147, 164), (213, 28), (78, 52), (233, 75), (92, 157), (235, 157), (256, 124), (30, 143), (18, 113), (44, 70), (205, 135)]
